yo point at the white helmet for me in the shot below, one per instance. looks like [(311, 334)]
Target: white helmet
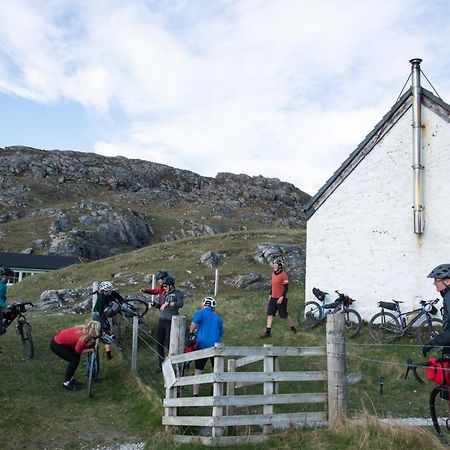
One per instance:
[(106, 286), (209, 301)]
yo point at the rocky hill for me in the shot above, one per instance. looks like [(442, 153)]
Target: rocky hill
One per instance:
[(74, 203)]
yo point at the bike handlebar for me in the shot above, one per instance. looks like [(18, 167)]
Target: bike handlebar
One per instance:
[(413, 367)]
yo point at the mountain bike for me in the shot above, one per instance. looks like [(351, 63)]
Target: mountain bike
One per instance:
[(439, 398), (23, 327), (315, 313), (390, 323), (92, 368)]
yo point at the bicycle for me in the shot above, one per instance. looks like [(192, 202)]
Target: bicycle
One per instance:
[(386, 326), (92, 367), (23, 327), (439, 402), (315, 313)]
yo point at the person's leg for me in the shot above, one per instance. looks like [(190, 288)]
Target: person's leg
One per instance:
[(271, 311), (199, 366), (69, 355), (160, 336), (283, 311)]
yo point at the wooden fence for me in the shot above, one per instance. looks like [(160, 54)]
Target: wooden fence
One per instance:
[(226, 420)]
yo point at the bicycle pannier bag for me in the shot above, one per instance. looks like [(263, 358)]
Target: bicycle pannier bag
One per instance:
[(439, 371), (388, 305)]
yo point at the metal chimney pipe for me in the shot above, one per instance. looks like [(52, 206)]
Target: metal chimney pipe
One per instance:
[(416, 89)]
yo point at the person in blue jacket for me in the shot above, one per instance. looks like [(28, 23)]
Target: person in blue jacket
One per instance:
[(5, 274), (208, 326)]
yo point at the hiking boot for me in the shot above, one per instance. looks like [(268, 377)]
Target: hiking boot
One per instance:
[(294, 330), (71, 386)]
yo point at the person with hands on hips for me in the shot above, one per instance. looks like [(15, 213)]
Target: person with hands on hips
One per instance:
[(441, 281), (278, 298)]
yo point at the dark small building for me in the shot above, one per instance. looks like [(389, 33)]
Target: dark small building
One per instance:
[(24, 265)]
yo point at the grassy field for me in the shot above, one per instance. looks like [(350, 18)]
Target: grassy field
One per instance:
[(36, 413)]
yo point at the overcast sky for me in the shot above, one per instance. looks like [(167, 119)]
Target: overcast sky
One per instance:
[(280, 88)]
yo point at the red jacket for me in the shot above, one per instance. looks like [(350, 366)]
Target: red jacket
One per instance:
[(159, 291), (72, 337)]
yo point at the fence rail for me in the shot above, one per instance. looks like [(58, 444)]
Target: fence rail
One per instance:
[(227, 405)]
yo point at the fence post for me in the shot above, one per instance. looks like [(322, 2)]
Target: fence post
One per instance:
[(269, 366), (337, 374), (134, 345), (217, 411), (216, 283), (94, 296), (231, 385)]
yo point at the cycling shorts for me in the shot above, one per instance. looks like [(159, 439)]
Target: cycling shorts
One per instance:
[(273, 307)]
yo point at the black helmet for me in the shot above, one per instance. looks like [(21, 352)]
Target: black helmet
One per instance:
[(6, 271), (161, 275), (170, 281), (278, 261), (440, 272)]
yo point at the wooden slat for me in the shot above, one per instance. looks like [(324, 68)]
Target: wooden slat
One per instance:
[(248, 360), (192, 356), (220, 441), (247, 400), (253, 377), (282, 420), (273, 351)]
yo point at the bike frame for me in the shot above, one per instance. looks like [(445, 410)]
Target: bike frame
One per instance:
[(402, 318)]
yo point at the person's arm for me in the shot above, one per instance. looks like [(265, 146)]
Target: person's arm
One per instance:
[(3, 303), (192, 327)]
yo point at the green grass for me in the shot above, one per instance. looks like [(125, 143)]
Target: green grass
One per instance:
[(37, 413)]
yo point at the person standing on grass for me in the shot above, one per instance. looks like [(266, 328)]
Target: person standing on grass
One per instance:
[(70, 343), (208, 326), (278, 300), (158, 291), (170, 305), (5, 274)]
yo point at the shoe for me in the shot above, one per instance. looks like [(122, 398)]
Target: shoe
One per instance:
[(294, 330), (71, 386)]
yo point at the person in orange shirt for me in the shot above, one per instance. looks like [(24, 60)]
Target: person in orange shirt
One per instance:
[(278, 298)]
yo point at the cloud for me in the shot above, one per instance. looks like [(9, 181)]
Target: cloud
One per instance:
[(278, 88)]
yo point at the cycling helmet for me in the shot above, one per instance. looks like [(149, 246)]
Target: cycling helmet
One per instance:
[(278, 261), (161, 275), (170, 281), (209, 301), (107, 339), (440, 272), (106, 286), (6, 271)]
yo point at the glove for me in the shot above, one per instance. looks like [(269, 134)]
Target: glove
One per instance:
[(425, 350)]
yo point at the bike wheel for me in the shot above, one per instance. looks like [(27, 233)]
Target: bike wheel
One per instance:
[(353, 323), (429, 329), (384, 327), (132, 308), (24, 330), (310, 315), (93, 370), (117, 332), (439, 411)]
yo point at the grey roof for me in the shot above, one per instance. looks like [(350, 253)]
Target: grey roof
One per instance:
[(397, 110), (43, 262)]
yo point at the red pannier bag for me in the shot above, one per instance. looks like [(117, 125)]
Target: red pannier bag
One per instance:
[(439, 371)]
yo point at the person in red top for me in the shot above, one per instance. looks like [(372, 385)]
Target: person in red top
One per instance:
[(278, 298), (70, 343), (159, 291)]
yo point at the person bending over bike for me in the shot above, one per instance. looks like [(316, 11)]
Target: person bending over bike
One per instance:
[(171, 303), (159, 291), (441, 281), (106, 307), (70, 343), (278, 300), (5, 274)]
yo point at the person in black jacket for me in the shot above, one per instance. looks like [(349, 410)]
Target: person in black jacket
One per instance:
[(441, 280)]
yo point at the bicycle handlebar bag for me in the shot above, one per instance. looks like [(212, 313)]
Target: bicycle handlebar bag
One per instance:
[(439, 371)]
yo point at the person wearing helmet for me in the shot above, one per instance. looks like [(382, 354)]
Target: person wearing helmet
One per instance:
[(106, 307), (208, 326), (5, 274), (159, 291), (441, 281), (171, 302), (278, 298), (70, 343)]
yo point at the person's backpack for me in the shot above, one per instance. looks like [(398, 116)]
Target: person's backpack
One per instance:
[(439, 371)]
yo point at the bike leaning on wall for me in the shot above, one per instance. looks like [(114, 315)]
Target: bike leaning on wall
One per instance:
[(315, 313), (390, 323)]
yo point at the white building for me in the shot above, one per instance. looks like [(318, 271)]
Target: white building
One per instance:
[(381, 222)]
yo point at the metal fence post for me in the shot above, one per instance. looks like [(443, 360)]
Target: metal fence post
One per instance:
[(94, 296), (134, 345), (337, 373), (216, 283)]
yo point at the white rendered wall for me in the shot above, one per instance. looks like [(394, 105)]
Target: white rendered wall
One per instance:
[(361, 240)]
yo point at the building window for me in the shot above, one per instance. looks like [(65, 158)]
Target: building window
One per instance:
[(14, 279)]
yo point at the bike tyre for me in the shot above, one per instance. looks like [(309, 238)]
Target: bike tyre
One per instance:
[(310, 316), (93, 370), (439, 412), (137, 306), (384, 334), (26, 337), (353, 323), (429, 329)]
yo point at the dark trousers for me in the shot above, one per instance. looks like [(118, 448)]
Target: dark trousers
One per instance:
[(162, 336), (68, 354)]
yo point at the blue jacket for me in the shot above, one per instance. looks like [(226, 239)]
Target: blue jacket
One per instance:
[(3, 303), (443, 339), (209, 327)]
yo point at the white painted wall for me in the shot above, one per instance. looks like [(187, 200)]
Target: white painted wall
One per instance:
[(361, 240)]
